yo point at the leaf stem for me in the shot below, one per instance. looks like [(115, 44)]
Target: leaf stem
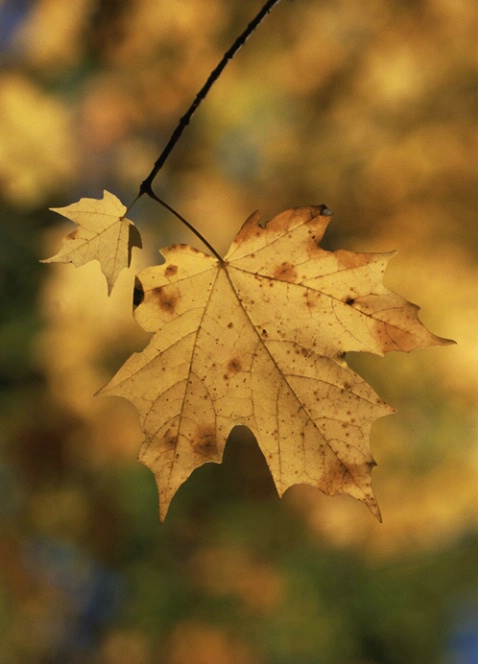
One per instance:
[(145, 187), (186, 223)]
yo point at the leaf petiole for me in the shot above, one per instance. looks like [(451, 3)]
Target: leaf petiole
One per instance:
[(151, 193)]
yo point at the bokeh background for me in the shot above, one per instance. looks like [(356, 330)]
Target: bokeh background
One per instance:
[(370, 107)]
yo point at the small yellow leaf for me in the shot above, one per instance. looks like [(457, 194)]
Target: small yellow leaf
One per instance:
[(259, 339), (102, 234)]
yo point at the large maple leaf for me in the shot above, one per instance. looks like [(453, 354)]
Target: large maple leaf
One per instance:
[(259, 339), (102, 234)]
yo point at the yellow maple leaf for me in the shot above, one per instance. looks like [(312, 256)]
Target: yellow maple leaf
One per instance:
[(259, 339), (102, 234)]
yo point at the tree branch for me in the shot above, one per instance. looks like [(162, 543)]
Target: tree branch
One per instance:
[(145, 187)]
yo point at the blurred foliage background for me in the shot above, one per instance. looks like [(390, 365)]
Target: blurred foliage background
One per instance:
[(368, 106)]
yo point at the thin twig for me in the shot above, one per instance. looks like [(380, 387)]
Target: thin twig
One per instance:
[(186, 223), (145, 187), (131, 204)]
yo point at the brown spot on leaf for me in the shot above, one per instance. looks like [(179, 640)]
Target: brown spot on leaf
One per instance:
[(72, 235), (170, 439), (311, 298), (166, 298), (313, 244), (350, 300), (285, 272), (234, 366), (204, 441), (170, 270)]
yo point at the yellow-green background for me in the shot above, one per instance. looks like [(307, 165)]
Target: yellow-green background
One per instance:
[(370, 106)]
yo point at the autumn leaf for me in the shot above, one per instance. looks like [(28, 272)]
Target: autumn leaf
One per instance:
[(102, 234), (259, 339)]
